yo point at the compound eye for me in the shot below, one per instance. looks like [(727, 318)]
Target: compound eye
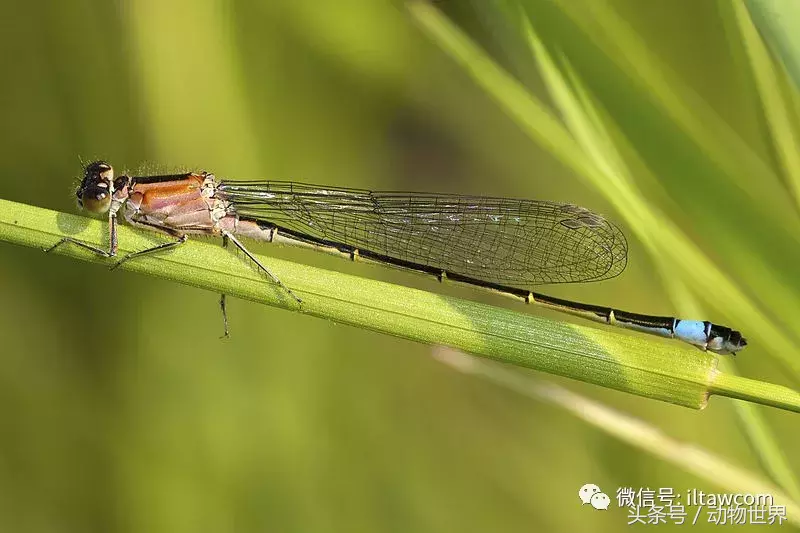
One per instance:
[(95, 198), (94, 193)]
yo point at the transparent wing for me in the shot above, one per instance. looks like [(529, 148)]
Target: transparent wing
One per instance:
[(500, 240)]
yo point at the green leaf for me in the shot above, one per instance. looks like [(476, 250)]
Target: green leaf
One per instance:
[(650, 367)]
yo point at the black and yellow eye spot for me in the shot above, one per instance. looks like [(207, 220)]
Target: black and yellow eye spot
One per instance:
[(99, 170)]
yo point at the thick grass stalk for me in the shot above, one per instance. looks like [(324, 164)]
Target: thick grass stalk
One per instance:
[(647, 366)]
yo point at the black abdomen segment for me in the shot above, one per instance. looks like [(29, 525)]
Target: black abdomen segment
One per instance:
[(705, 335)]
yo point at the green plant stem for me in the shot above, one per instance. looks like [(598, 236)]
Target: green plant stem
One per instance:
[(752, 390), (649, 367)]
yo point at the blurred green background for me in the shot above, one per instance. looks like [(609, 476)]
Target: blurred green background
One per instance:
[(122, 410)]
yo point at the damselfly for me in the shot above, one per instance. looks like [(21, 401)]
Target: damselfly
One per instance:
[(501, 244)]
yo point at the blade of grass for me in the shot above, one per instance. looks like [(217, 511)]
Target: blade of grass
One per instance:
[(776, 109), (763, 443), (587, 127), (584, 120), (665, 241), (663, 238), (636, 432), (649, 367), (628, 60), (784, 135), (779, 21), (758, 432), (760, 273), (687, 109)]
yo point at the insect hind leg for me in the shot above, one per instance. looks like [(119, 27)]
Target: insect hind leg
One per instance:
[(229, 236)]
